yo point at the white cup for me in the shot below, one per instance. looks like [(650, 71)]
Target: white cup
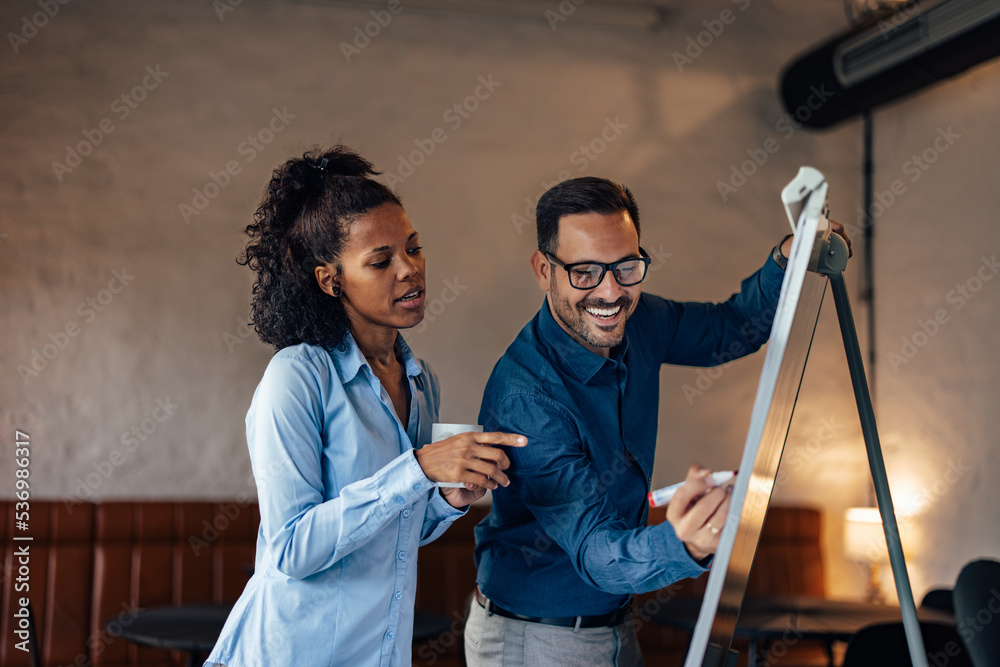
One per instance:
[(442, 431)]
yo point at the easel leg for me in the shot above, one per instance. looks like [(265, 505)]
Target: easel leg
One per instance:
[(714, 656), (752, 654), (877, 464)]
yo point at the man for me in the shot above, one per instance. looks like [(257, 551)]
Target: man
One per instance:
[(566, 545)]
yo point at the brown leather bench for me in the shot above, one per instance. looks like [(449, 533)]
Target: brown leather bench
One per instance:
[(95, 563)]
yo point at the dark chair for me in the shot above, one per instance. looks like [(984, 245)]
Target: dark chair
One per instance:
[(939, 599), (977, 611), (884, 645)]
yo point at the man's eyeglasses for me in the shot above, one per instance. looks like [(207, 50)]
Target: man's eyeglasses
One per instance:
[(588, 275)]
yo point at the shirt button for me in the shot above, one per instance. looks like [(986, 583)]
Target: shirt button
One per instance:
[(400, 499), (406, 513), (402, 555), (399, 595), (417, 487), (391, 635)]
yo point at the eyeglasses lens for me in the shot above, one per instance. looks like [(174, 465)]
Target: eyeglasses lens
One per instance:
[(627, 274)]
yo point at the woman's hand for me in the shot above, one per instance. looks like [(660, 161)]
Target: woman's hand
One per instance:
[(698, 512), (461, 497), (468, 458)]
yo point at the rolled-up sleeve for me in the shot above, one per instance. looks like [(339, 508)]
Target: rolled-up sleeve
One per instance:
[(557, 481)]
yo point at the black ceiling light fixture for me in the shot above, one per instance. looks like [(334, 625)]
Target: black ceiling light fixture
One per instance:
[(888, 57)]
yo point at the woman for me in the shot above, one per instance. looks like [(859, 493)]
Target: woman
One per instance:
[(346, 492)]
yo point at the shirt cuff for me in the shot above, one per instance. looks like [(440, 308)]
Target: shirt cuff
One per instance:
[(684, 565), (444, 510), (402, 482), (704, 562), (778, 258)]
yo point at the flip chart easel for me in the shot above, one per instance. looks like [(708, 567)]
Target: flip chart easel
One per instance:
[(817, 257)]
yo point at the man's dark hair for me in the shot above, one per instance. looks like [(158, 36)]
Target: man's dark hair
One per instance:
[(587, 194)]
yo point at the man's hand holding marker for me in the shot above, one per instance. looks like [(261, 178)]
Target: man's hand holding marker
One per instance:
[(663, 496), (697, 508)]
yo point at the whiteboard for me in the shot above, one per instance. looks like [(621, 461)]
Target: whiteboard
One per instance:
[(784, 363)]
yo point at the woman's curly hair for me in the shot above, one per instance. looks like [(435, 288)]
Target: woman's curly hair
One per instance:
[(301, 223)]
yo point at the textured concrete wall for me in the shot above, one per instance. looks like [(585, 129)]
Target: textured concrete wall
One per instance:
[(126, 355)]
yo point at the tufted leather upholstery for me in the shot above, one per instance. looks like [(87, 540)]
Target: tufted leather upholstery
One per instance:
[(91, 563), (94, 563)]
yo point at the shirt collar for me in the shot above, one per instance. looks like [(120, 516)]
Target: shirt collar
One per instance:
[(578, 359), (413, 368), (349, 360)]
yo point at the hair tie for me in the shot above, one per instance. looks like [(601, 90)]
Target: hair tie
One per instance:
[(319, 180)]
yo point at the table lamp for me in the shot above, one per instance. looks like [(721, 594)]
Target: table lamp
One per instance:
[(864, 542)]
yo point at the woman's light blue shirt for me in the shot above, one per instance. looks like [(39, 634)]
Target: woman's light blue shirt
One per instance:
[(343, 505)]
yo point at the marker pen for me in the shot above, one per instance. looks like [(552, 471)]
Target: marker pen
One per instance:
[(661, 497)]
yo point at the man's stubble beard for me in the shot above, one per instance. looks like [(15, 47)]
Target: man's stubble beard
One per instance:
[(579, 322)]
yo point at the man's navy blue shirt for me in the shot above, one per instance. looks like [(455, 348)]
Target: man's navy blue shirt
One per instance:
[(568, 537)]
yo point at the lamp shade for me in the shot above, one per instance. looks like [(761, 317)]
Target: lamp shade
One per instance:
[(864, 538)]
